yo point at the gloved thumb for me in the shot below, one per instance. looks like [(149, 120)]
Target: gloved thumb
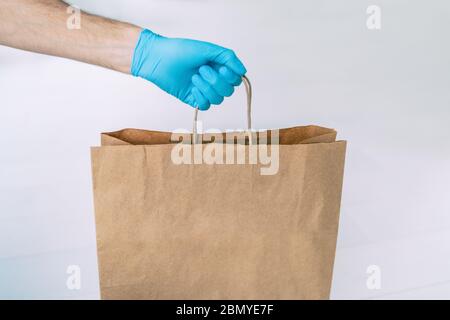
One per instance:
[(228, 58)]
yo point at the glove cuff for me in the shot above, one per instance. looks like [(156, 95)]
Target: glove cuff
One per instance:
[(145, 41)]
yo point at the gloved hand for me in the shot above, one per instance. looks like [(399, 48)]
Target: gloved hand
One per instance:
[(198, 73)]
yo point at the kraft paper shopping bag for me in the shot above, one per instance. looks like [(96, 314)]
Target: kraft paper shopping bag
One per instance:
[(179, 226)]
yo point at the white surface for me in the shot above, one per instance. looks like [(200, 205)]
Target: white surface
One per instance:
[(386, 92)]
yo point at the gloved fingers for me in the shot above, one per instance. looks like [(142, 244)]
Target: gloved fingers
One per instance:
[(190, 100), (200, 101), (211, 76), (229, 59), (206, 89), (230, 76)]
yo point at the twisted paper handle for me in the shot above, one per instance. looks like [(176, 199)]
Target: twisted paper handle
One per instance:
[(248, 90)]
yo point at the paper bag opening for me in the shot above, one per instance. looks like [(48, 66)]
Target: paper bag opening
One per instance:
[(287, 136)]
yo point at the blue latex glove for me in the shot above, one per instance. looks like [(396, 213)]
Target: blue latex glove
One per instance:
[(198, 73)]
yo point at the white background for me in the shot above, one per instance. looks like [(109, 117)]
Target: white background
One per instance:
[(311, 62)]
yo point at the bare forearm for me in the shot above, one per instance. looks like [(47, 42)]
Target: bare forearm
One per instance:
[(41, 26)]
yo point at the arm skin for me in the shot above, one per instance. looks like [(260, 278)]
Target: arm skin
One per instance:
[(41, 26)]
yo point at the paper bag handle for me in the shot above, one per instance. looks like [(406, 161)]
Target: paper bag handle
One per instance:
[(248, 90)]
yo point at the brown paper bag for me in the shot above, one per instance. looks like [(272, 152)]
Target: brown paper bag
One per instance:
[(201, 231), (188, 221)]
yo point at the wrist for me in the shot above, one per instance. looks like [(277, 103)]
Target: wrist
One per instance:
[(123, 53), (142, 50)]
